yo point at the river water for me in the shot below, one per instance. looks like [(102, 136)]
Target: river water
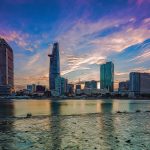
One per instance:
[(20, 108), (75, 124)]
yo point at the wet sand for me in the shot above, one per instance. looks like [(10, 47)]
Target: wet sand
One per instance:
[(102, 131)]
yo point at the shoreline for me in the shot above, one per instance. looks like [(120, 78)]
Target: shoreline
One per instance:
[(74, 98)]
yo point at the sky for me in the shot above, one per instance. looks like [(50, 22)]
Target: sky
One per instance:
[(89, 32)]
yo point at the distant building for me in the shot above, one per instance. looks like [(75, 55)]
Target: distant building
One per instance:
[(54, 70), (70, 89), (60, 86), (92, 92), (90, 84), (78, 87), (57, 86), (31, 88), (64, 83), (6, 68), (139, 83), (123, 86), (107, 76), (40, 88)]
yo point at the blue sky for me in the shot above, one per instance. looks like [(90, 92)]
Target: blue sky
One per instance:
[(90, 32)]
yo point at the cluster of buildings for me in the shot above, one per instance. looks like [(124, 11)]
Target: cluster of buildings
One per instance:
[(137, 85)]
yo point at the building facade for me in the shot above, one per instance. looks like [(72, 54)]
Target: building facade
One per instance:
[(40, 89), (60, 86), (139, 83), (54, 70), (31, 88), (70, 89), (123, 86), (90, 84), (6, 67), (64, 83), (107, 76)]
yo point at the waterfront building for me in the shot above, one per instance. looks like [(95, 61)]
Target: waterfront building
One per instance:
[(107, 76), (6, 68), (78, 87), (90, 84), (54, 70), (31, 88), (60, 86), (70, 89), (123, 86), (40, 89), (57, 86), (64, 83), (139, 83)]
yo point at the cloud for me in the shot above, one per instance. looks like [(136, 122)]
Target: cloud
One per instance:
[(21, 39), (140, 69), (121, 73), (33, 60), (145, 56), (82, 47)]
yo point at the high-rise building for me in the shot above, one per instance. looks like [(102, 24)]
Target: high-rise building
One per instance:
[(107, 76), (6, 68), (70, 89), (61, 85), (64, 83), (58, 86), (54, 70), (90, 84), (139, 83)]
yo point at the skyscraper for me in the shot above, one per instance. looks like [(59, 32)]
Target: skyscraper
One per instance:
[(107, 76), (6, 67), (54, 70)]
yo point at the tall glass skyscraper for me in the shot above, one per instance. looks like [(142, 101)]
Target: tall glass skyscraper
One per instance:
[(54, 70), (107, 76)]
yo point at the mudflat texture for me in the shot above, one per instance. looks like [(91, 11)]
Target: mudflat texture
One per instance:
[(122, 131)]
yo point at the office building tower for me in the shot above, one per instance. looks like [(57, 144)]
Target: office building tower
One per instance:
[(58, 86), (61, 86), (70, 89), (54, 70), (139, 83), (90, 84), (64, 83), (6, 68), (107, 76)]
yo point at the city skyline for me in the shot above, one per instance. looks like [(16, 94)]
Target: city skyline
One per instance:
[(89, 33)]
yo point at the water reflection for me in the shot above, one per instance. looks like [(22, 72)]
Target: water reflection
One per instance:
[(6, 127), (106, 107), (20, 108), (106, 123), (55, 125)]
